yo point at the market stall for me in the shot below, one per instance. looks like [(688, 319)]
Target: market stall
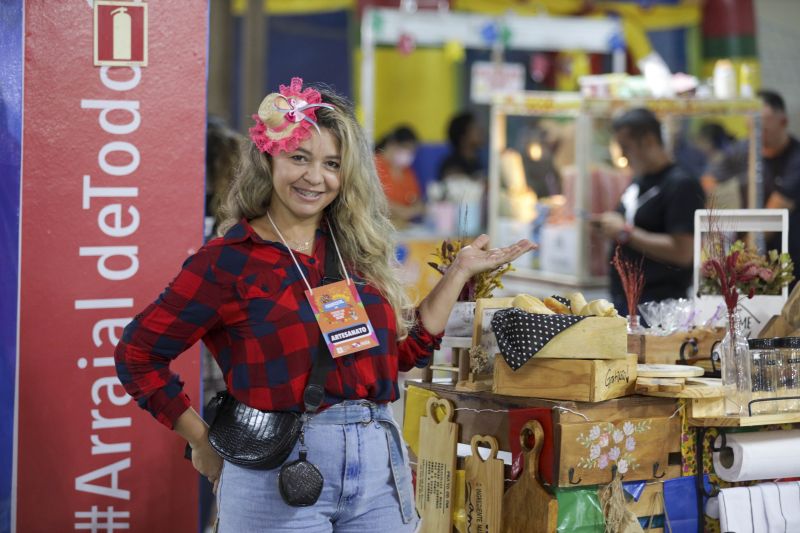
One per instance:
[(553, 165), (556, 416)]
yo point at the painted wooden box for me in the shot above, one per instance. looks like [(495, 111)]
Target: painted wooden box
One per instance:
[(631, 440)]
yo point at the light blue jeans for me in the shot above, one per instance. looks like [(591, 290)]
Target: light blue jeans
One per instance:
[(359, 450)]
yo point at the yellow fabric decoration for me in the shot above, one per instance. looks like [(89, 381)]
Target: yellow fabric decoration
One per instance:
[(636, 39), (657, 17), (532, 7), (571, 66), (636, 20), (299, 7), (416, 401)]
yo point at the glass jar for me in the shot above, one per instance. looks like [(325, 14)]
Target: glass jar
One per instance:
[(789, 384), (736, 373), (764, 362)]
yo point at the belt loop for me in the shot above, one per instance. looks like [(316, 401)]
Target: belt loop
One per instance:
[(368, 405)]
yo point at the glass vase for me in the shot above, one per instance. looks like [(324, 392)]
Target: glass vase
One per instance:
[(634, 327), (736, 370)]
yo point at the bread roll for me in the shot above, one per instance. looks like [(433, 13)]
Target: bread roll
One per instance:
[(528, 303), (598, 308), (577, 302), (556, 306)]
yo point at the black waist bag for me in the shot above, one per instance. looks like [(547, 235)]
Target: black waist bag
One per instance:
[(251, 438)]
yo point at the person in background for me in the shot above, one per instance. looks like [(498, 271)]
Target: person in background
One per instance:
[(394, 155), (655, 218), (781, 171), (780, 152), (222, 156), (307, 190), (466, 139), (722, 190)]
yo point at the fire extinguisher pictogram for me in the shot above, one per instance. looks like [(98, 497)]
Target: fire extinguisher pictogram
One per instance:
[(122, 34)]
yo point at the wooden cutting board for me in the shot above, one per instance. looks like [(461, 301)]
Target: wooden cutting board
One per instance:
[(436, 466), (484, 496), (529, 507), (668, 371)]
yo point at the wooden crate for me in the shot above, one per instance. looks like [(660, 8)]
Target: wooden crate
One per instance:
[(653, 349), (591, 338), (655, 434), (584, 380)]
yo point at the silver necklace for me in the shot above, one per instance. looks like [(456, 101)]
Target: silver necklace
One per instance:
[(299, 245)]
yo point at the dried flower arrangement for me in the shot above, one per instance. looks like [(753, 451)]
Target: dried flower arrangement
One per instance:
[(480, 285), (631, 274), (743, 271)]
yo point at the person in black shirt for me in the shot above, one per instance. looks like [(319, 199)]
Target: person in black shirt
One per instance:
[(466, 140), (780, 153), (781, 159), (655, 219)]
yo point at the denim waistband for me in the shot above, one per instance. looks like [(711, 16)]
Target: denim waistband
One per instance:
[(366, 412), (353, 412)]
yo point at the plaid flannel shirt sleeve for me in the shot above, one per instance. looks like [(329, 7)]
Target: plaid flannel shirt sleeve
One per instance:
[(182, 314), (416, 349)]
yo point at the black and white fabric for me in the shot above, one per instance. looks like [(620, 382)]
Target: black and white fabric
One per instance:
[(563, 300), (520, 335)]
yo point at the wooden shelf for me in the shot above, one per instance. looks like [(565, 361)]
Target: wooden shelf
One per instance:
[(696, 391), (746, 421)]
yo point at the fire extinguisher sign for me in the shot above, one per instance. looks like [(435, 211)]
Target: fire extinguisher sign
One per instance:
[(120, 33)]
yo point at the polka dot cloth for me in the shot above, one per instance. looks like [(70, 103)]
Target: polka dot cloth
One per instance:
[(520, 335), (563, 300)]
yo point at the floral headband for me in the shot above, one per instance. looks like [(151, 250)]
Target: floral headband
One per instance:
[(285, 118)]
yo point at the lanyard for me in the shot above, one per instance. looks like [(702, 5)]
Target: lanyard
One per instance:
[(300, 270)]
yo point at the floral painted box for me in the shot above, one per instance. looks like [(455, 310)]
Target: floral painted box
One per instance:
[(633, 443)]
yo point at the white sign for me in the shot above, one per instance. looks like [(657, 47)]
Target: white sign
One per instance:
[(757, 311), (489, 79), (557, 246)]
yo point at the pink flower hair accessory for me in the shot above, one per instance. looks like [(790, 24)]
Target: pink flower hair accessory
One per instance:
[(285, 118)]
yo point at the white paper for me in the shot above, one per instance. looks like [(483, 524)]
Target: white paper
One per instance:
[(760, 455)]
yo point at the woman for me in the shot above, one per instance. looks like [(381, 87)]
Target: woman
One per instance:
[(307, 188), (393, 158)]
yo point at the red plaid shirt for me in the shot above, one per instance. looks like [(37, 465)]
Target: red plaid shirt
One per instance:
[(244, 297)]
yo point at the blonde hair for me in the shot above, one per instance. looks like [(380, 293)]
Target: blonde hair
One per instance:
[(359, 214)]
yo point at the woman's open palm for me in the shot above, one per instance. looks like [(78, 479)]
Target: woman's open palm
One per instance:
[(475, 257)]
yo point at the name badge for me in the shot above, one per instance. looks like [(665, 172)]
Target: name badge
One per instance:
[(342, 318)]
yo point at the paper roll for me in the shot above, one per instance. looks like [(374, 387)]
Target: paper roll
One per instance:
[(761, 455)]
